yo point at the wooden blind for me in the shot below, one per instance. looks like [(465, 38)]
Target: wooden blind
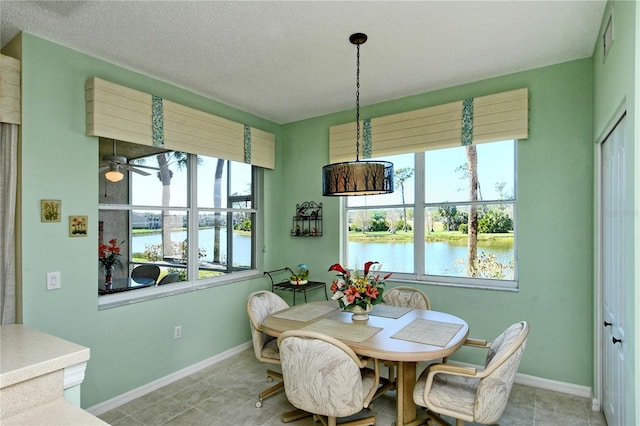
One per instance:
[(495, 117), (10, 111), (118, 112)]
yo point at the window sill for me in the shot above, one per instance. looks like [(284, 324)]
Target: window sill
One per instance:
[(109, 301), (479, 284)]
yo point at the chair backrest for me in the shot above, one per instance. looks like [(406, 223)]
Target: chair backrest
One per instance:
[(502, 364), (407, 297), (171, 277), (146, 271), (260, 304), (321, 374)]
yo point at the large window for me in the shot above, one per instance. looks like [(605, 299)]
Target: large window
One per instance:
[(450, 220), (191, 215)]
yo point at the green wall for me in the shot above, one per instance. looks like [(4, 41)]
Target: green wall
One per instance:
[(554, 218), (130, 345), (617, 88), (133, 345)]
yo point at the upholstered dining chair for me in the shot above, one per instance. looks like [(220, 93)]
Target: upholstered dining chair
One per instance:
[(259, 305), (408, 297), (171, 277), (325, 377), (146, 271), (469, 395)]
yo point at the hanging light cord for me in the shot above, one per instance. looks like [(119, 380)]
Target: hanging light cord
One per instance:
[(358, 102)]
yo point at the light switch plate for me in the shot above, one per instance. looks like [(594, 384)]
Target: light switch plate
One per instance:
[(53, 280)]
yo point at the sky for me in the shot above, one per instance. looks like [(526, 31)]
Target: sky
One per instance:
[(443, 183)]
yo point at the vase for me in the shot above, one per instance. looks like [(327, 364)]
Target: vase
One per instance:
[(108, 276), (360, 313)]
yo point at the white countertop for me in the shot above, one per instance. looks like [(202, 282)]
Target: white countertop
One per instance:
[(26, 353)]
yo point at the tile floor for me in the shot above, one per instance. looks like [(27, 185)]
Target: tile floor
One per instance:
[(225, 395)]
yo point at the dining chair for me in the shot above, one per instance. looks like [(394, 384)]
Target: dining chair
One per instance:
[(408, 297), (259, 305), (146, 271), (325, 377), (469, 395), (171, 277)]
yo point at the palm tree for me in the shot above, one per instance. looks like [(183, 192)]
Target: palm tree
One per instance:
[(472, 222), (217, 204), (164, 175), (401, 176)]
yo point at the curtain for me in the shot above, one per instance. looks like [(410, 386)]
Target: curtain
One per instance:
[(8, 188)]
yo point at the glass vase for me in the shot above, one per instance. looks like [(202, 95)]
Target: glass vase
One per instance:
[(108, 276)]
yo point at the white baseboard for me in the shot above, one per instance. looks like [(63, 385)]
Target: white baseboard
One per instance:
[(112, 403), (523, 379), (547, 384)]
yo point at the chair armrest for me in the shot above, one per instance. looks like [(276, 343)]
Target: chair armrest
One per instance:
[(477, 343), (452, 369)]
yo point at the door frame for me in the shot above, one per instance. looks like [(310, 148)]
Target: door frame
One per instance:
[(621, 112)]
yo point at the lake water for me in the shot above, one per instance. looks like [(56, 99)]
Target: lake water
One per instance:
[(441, 258)]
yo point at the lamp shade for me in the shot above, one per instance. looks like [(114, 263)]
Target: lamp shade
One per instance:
[(357, 178)]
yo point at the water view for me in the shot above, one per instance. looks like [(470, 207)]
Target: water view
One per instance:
[(441, 257)]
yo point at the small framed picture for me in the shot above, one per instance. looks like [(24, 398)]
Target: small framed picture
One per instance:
[(50, 210), (78, 226)]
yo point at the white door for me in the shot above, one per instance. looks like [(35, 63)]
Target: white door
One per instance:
[(613, 178)]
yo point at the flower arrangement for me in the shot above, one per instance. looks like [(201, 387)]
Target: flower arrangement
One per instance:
[(300, 275), (352, 288), (109, 254)]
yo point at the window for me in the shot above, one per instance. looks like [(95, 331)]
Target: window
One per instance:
[(433, 228), (191, 215)]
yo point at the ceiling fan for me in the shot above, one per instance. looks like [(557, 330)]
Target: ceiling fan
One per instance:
[(114, 164)]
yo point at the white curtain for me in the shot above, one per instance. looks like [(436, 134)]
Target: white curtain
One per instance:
[(8, 187)]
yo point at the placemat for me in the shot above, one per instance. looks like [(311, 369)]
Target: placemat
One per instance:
[(428, 332), (304, 313), (343, 331), (389, 311)]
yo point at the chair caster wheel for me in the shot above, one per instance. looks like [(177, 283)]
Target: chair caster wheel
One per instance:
[(258, 404)]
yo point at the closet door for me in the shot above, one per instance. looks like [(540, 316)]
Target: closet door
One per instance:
[(614, 178)]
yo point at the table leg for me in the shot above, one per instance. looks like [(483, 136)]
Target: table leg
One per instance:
[(405, 381)]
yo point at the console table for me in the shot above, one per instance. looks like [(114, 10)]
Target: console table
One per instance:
[(285, 285)]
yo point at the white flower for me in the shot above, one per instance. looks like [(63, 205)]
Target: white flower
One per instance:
[(337, 295)]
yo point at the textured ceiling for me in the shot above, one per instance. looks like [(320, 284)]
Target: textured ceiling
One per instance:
[(287, 61)]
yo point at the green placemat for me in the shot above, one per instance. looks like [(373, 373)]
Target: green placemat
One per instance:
[(304, 313), (428, 332), (389, 311), (343, 331)]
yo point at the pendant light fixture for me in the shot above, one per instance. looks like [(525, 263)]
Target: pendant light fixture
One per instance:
[(357, 177)]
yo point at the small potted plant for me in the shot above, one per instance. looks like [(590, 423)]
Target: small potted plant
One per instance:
[(300, 277)]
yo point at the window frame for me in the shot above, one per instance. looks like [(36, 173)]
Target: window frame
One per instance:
[(419, 233), (192, 212)]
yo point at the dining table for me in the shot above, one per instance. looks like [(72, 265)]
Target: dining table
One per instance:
[(402, 335)]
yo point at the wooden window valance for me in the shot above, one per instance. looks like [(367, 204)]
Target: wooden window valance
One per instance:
[(488, 118), (9, 90), (118, 112)]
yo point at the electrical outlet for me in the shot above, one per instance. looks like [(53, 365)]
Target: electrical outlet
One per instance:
[(53, 280), (177, 332)]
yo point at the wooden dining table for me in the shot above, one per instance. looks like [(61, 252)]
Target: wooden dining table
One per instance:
[(403, 335)]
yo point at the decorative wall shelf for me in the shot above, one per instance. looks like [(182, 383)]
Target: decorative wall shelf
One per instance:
[(307, 221)]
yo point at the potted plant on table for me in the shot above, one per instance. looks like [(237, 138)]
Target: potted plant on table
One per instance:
[(358, 292), (300, 277), (109, 256)]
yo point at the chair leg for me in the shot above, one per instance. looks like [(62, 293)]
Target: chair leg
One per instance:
[(294, 415), (278, 387)]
